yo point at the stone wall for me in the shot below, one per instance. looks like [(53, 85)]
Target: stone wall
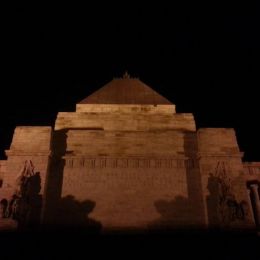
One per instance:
[(118, 180), (29, 143), (153, 178), (221, 166), (133, 192), (129, 179)]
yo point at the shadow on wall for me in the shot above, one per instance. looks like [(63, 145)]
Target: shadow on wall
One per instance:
[(184, 213), (212, 200), (55, 176), (194, 181), (73, 215), (70, 214), (26, 207), (34, 201), (172, 214)]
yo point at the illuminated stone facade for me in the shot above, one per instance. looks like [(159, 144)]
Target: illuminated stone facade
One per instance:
[(125, 160)]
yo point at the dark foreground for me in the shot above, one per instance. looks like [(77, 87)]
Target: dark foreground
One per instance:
[(161, 245)]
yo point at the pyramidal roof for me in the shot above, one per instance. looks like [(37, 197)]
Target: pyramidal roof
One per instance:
[(126, 90)]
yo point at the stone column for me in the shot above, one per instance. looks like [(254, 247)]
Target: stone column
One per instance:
[(256, 202), (250, 205)]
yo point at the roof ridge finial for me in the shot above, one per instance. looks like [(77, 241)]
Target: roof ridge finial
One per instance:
[(126, 75)]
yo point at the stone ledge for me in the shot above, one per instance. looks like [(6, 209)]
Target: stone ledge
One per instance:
[(237, 155), (27, 153)]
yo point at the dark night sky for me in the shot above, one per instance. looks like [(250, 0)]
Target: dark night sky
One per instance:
[(205, 59)]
